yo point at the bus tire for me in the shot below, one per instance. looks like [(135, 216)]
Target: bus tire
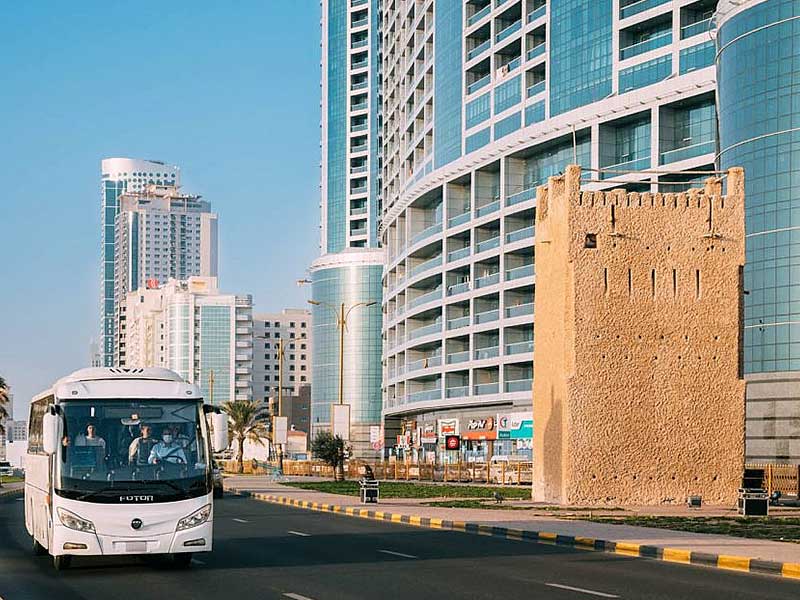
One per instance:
[(182, 560), (62, 562), (38, 549)]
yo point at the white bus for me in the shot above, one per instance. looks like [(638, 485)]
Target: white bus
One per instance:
[(119, 462)]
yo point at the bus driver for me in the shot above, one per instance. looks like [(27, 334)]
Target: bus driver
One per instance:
[(167, 450)]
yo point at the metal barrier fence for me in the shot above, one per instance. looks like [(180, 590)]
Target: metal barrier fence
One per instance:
[(515, 473), (782, 478)]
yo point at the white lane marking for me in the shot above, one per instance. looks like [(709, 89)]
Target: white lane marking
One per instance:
[(400, 554), (294, 596), (20, 499), (300, 533), (240, 520), (581, 590), (198, 562)]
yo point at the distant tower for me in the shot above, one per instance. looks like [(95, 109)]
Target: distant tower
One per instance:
[(120, 175), (637, 386)]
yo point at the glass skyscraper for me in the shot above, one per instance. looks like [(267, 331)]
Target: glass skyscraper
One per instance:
[(758, 46), (349, 268), (118, 176)]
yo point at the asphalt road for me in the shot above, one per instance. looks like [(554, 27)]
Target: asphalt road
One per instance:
[(267, 551)]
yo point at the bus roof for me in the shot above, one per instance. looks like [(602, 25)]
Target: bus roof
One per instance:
[(105, 383)]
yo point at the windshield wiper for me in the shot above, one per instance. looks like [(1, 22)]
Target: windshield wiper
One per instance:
[(103, 491)]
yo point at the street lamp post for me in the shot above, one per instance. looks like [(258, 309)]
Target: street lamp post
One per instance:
[(341, 314), (280, 398)]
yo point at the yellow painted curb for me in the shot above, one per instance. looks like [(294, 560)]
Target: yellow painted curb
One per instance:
[(436, 523), (677, 556), (734, 563), (626, 549), (396, 518), (791, 570), (584, 541), (414, 520)]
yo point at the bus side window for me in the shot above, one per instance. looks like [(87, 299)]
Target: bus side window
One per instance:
[(38, 409)]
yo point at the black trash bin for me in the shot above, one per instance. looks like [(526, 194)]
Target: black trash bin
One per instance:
[(369, 487)]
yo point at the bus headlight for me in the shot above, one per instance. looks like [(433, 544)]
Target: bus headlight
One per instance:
[(73, 521), (196, 518)]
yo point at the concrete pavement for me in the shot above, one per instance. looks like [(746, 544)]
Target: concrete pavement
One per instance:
[(778, 558), (266, 551)]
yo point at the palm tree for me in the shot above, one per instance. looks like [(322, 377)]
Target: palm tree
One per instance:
[(4, 398), (246, 421), (3, 402)]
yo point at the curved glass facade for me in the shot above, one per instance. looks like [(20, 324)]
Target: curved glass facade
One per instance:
[(759, 116), (348, 284)]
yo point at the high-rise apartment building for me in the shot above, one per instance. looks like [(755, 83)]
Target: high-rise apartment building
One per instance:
[(348, 272), (119, 175), (482, 101), (292, 326), (197, 331), (160, 234)]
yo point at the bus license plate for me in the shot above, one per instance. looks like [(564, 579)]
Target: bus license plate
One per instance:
[(136, 546)]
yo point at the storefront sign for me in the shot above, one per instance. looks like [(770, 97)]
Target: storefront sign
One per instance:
[(515, 426), (448, 427), (428, 433), (480, 428), (452, 442)]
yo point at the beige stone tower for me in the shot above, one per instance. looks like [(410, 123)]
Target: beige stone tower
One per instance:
[(638, 390)]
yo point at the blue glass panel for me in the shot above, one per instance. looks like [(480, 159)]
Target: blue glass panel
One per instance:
[(759, 110), (508, 125), (362, 343), (478, 110), (534, 113), (580, 53), (507, 94), (448, 81), (478, 140), (646, 73), (697, 57), (337, 126)]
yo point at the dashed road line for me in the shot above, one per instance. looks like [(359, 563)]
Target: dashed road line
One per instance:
[(294, 596), (198, 562), (400, 554), (240, 520), (581, 590), (300, 533)]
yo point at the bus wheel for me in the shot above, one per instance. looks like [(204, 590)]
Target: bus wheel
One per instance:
[(182, 560), (38, 549), (62, 562)]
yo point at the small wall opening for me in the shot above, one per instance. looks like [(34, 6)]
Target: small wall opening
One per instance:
[(590, 241)]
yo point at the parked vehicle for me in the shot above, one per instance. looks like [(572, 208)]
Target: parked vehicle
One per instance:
[(216, 473), (6, 470)]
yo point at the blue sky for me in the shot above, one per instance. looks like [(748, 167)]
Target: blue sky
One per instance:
[(227, 90)]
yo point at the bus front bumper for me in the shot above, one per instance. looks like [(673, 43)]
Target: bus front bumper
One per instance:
[(70, 541)]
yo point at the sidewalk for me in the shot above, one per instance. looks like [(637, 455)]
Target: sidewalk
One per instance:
[(678, 546)]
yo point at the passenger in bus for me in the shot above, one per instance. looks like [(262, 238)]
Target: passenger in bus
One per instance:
[(167, 450), (140, 448), (91, 438)]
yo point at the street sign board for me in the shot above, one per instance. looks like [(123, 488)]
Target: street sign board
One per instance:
[(340, 421), (280, 427)]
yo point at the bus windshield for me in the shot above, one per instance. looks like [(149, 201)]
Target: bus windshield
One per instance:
[(124, 450)]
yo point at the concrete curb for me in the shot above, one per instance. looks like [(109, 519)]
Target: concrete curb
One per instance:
[(5, 493), (673, 555)]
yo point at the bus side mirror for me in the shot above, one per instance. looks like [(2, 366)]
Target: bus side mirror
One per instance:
[(219, 421), (51, 432)]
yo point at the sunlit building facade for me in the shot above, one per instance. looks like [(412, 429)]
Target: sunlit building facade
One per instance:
[(482, 101)]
